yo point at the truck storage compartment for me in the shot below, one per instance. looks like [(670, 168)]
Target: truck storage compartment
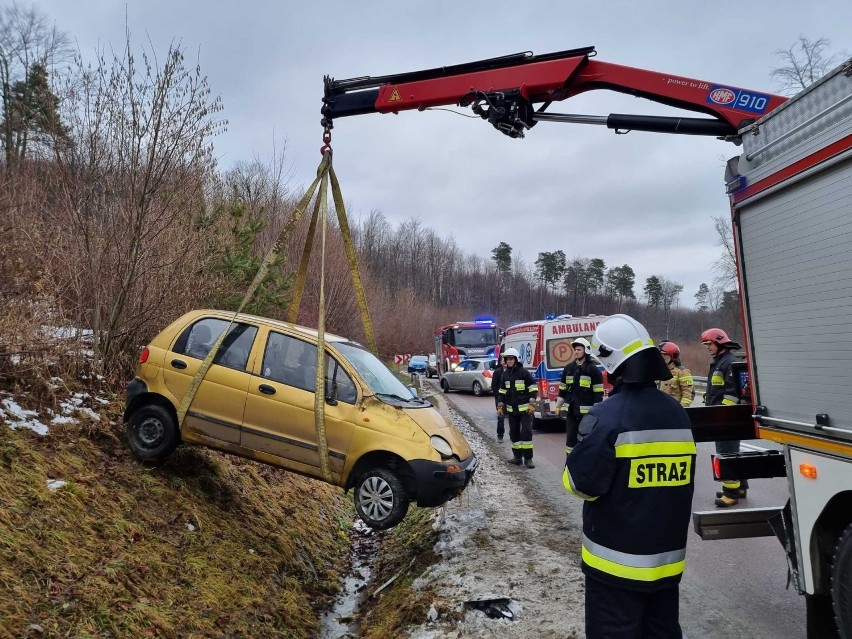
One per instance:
[(792, 207)]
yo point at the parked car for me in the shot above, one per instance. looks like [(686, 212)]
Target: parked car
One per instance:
[(418, 364), (257, 401), (470, 375), (432, 366)]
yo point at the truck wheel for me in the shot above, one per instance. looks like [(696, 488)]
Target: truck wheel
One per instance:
[(445, 386), (152, 433), (477, 389), (841, 583), (380, 499)]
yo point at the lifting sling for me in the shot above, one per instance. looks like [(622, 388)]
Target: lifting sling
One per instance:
[(325, 174)]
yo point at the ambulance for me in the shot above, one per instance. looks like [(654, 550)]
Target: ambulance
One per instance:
[(545, 349)]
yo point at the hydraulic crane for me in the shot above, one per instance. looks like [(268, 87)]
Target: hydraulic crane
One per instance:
[(505, 91)]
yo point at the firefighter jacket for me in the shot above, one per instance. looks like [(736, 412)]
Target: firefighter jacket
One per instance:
[(581, 386), (721, 386), (634, 466), (680, 386), (517, 388)]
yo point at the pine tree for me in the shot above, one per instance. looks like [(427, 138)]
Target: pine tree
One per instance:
[(33, 114), (239, 264)]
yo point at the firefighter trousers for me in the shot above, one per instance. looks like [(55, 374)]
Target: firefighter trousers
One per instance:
[(731, 447), (572, 427), (619, 613), (520, 434)]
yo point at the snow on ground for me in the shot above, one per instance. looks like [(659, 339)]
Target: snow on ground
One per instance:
[(496, 541), (16, 417), (71, 409)]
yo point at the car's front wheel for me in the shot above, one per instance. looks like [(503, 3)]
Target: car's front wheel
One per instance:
[(477, 389), (152, 433), (380, 499), (445, 386)]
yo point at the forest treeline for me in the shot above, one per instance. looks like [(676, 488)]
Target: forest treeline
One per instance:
[(117, 219)]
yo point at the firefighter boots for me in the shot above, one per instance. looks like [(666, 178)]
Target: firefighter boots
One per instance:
[(741, 493), (529, 463), (517, 461), (727, 497)]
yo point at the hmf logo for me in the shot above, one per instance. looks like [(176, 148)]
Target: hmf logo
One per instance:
[(722, 96)]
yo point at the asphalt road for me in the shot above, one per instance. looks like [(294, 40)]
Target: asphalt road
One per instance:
[(732, 589)]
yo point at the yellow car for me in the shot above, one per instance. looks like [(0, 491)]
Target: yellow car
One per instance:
[(257, 401)]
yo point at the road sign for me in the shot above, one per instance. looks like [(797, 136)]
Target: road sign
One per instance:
[(397, 359)]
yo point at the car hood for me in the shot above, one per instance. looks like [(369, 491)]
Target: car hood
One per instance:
[(434, 423)]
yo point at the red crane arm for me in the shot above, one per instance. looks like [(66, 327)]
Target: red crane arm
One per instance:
[(503, 91)]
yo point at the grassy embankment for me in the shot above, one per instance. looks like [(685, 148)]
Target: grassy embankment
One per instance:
[(204, 545)]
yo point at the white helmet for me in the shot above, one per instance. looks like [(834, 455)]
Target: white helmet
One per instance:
[(582, 341), (511, 352), (618, 338)]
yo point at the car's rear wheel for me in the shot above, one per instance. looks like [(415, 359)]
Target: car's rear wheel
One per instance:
[(445, 386), (477, 389), (381, 499), (152, 433)]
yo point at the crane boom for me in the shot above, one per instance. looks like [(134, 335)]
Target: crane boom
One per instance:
[(504, 91)]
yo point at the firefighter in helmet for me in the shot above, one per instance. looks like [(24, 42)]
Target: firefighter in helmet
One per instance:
[(580, 388), (516, 399), (722, 391), (680, 386), (634, 465)]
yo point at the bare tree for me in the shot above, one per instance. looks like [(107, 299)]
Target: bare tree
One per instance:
[(725, 266), (132, 186), (803, 63)]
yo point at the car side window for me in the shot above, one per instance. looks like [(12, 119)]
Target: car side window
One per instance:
[(338, 384), (197, 340), (290, 361)]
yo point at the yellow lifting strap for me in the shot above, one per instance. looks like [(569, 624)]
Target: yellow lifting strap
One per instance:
[(325, 173)]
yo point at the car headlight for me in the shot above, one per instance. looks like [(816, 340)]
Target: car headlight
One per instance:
[(442, 446)]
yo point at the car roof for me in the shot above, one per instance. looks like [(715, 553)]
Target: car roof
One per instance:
[(311, 332)]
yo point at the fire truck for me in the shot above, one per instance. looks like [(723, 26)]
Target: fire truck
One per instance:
[(462, 340), (545, 348), (791, 205)]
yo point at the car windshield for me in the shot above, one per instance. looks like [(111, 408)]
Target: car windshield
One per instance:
[(377, 376), (419, 358), (473, 337)]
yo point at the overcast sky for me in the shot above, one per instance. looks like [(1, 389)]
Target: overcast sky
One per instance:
[(642, 199)]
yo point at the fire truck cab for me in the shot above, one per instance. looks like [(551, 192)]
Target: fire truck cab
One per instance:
[(463, 340)]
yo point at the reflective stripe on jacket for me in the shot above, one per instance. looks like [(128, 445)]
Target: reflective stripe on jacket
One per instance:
[(680, 386), (635, 468), (581, 386), (721, 387), (517, 388)]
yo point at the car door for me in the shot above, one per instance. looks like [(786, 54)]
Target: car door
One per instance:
[(217, 408), (474, 374), (279, 415), (463, 376)]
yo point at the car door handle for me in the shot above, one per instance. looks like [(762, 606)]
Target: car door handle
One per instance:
[(178, 363), (266, 389)]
